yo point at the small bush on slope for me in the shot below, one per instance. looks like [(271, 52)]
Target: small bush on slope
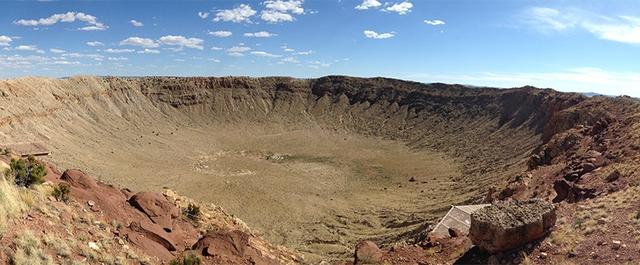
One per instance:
[(61, 192), (27, 172), (188, 259), (192, 212)]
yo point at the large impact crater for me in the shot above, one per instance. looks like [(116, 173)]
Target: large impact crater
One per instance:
[(314, 164)]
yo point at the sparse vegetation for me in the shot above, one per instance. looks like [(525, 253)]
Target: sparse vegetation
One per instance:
[(192, 212), (29, 250), (11, 203), (61, 192), (187, 259), (26, 172)]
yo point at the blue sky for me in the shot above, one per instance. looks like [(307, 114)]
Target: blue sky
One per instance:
[(567, 45)]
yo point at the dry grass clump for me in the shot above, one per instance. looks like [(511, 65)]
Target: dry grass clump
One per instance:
[(11, 203), (58, 245), (29, 250)]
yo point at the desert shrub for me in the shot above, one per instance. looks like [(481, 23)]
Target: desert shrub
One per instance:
[(27, 172), (187, 259), (61, 192), (192, 212)]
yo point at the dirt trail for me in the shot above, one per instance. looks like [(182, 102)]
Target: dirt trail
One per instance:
[(316, 165)]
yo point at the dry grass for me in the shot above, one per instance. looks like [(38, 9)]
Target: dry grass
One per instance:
[(29, 250), (11, 203)]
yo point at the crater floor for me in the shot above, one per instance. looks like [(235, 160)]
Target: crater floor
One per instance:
[(313, 190)]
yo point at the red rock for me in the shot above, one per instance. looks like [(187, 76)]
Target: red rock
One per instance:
[(156, 207), (78, 179), (367, 252)]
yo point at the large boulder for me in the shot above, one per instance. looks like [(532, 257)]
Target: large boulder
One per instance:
[(507, 225), (231, 247), (156, 207), (367, 252)]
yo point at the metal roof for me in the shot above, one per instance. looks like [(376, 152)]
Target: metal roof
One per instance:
[(458, 217)]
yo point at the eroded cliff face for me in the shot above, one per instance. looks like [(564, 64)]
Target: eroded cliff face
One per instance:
[(151, 132)]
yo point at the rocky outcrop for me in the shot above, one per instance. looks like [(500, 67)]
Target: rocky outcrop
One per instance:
[(506, 225), (231, 247), (153, 224)]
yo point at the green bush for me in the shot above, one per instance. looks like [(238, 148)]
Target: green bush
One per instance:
[(192, 212), (188, 259), (27, 172), (61, 192)]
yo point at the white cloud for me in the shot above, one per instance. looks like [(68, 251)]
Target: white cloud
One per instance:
[(305, 52), (366, 4), (292, 6), (149, 51), (624, 29), (136, 23), (117, 59), (275, 16), (585, 79), (400, 8), (374, 35), (5, 40), (260, 34), (29, 48), (215, 60), (236, 54), (203, 15), (221, 33), (265, 54), (182, 41), (141, 42), (216, 48), (434, 22), (69, 17), (57, 51), (95, 43), (239, 49), (281, 10), (242, 13), (119, 50)]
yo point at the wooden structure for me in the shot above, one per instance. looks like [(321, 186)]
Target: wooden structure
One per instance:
[(27, 149), (458, 217)]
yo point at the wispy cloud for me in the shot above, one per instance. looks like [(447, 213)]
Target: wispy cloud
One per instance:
[(203, 15), (91, 21), (265, 54), (95, 43), (624, 29), (141, 42), (221, 33), (260, 34), (136, 23), (118, 50), (434, 22), (375, 35), (181, 41)]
